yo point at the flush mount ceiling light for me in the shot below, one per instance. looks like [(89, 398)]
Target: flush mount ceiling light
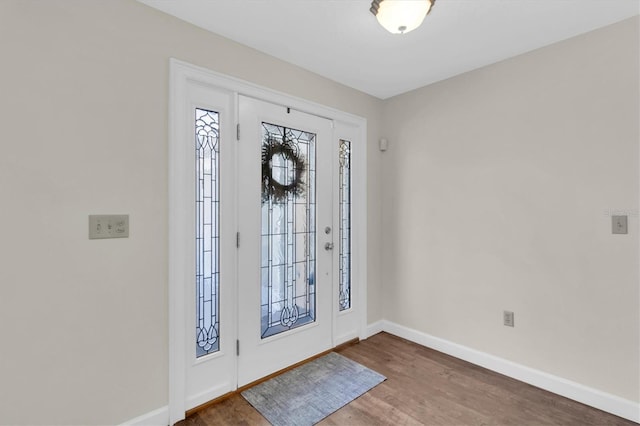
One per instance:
[(401, 16)]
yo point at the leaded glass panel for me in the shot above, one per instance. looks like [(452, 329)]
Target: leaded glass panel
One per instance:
[(345, 225), (288, 229), (207, 164)]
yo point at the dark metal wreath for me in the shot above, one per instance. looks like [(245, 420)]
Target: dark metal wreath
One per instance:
[(272, 189)]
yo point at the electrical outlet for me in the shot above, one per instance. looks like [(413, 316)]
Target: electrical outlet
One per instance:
[(108, 226), (508, 318), (618, 224)]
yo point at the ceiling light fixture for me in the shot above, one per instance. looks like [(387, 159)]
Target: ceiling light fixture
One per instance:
[(401, 16)]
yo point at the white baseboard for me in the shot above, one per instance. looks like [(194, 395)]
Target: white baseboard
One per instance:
[(159, 417), (601, 400), (374, 328)]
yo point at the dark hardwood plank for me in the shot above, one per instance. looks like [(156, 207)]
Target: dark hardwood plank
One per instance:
[(426, 387)]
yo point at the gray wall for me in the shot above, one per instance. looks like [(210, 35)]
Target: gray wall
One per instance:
[(498, 188), (84, 88)]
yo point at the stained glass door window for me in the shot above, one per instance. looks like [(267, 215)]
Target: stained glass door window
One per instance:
[(207, 231), (288, 294), (345, 225)]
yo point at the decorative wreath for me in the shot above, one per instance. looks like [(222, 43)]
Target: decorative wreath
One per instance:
[(271, 188)]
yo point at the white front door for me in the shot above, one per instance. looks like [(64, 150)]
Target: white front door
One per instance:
[(285, 220), (239, 312)]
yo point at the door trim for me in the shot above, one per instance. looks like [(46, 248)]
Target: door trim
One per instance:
[(180, 75)]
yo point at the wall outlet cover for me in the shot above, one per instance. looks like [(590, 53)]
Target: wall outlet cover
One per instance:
[(619, 224)]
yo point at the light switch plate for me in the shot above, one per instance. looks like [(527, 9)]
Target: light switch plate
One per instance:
[(108, 226), (507, 319), (619, 224)]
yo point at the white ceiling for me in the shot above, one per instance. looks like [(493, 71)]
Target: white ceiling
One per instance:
[(341, 39)]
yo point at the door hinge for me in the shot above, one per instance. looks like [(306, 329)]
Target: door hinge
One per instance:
[(237, 347), (238, 131), (237, 239)]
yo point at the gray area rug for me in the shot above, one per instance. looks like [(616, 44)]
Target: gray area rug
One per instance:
[(309, 393)]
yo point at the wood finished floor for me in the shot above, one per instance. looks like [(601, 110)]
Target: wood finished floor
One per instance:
[(426, 387)]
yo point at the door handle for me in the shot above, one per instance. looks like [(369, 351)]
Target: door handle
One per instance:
[(328, 246)]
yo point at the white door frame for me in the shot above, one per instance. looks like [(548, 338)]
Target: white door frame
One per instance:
[(345, 126)]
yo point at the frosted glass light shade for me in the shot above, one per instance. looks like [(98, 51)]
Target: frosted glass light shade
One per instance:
[(402, 16)]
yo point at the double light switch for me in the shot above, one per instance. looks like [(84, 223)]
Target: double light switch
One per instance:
[(108, 226)]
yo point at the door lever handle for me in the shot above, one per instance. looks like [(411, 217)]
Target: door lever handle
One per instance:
[(328, 246)]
